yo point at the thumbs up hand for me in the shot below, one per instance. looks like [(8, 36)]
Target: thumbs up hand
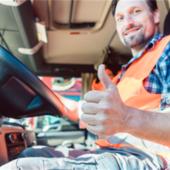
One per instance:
[(104, 112)]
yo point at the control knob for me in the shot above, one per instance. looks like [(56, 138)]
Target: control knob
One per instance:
[(22, 137), (11, 138)]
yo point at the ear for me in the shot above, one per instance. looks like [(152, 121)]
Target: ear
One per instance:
[(156, 14)]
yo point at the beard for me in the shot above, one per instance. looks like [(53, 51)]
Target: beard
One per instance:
[(134, 41)]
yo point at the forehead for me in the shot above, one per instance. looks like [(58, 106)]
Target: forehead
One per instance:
[(125, 5)]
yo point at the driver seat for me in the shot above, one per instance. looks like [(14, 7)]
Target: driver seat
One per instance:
[(167, 24)]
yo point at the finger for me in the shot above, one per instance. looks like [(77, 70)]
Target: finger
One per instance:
[(97, 130), (90, 108), (104, 78), (89, 119), (93, 96)]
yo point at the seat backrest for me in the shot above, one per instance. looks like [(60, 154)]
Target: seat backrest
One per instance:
[(167, 24)]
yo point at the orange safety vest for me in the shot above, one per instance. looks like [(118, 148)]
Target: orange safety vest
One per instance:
[(132, 91), (99, 86)]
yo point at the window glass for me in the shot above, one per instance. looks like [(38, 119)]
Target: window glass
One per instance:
[(68, 87)]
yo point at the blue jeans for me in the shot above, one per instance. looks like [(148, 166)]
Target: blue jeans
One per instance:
[(69, 159)]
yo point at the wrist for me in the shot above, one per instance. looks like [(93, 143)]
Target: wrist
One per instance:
[(132, 121), (72, 111)]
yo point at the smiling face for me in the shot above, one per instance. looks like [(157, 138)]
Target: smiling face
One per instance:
[(135, 23)]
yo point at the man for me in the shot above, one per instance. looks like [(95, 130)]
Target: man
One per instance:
[(135, 137)]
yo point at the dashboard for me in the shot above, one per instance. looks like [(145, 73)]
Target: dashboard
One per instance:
[(13, 140)]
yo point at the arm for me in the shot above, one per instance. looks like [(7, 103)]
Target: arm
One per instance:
[(106, 114), (152, 126), (71, 108)]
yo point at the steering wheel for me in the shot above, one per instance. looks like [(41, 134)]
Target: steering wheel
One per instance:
[(23, 94)]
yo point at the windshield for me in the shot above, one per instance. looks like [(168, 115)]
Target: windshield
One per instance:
[(69, 87)]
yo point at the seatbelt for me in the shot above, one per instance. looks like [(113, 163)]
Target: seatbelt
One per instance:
[(3, 41), (105, 53)]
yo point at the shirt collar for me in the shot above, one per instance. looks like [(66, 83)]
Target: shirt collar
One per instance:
[(147, 48)]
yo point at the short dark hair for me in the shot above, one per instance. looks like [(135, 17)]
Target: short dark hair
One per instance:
[(151, 3)]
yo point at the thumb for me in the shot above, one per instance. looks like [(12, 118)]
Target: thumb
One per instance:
[(104, 78)]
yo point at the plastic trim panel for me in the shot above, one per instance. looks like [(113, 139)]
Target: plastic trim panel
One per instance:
[(12, 2)]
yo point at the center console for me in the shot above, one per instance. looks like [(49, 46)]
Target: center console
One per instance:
[(13, 140), (15, 143)]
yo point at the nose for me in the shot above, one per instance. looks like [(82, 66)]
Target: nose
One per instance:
[(128, 22)]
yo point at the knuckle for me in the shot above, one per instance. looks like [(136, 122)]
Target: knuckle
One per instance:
[(101, 132), (83, 107), (86, 96), (102, 120), (99, 119), (89, 95), (105, 108), (82, 117), (108, 96)]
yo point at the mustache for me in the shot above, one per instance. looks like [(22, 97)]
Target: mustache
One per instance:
[(132, 27)]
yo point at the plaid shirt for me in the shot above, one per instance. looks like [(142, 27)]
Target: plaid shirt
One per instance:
[(158, 82)]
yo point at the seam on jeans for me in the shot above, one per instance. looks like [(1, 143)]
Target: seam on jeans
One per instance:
[(74, 164), (103, 165), (42, 165), (17, 165)]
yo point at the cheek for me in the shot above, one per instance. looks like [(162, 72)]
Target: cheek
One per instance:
[(149, 27), (142, 21), (120, 28), (119, 31), (145, 21), (121, 37)]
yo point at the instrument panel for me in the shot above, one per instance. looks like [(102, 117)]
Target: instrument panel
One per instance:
[(13, 140), (15, 143)]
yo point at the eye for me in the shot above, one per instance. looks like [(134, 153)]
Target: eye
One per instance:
[(136, 11), (120, 18)]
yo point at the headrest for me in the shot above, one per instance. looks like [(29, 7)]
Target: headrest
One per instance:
[(167, 24)]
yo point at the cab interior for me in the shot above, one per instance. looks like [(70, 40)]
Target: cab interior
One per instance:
[(53, 38)]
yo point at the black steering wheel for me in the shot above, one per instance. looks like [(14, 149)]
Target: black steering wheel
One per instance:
[(23, 94)]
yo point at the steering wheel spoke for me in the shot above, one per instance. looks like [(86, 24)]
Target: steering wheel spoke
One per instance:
[(23, 94)]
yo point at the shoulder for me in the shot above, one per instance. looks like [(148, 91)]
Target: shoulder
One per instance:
[(165, 55), (162, 67)]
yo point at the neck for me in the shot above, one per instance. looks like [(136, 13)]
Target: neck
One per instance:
[(137, 50), (141, 47)]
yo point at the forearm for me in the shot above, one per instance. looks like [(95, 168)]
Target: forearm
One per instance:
[(150, 126), (71, 108)]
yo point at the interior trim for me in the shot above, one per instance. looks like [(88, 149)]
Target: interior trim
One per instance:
[(31, 51), (97, 26), (12, 2)]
